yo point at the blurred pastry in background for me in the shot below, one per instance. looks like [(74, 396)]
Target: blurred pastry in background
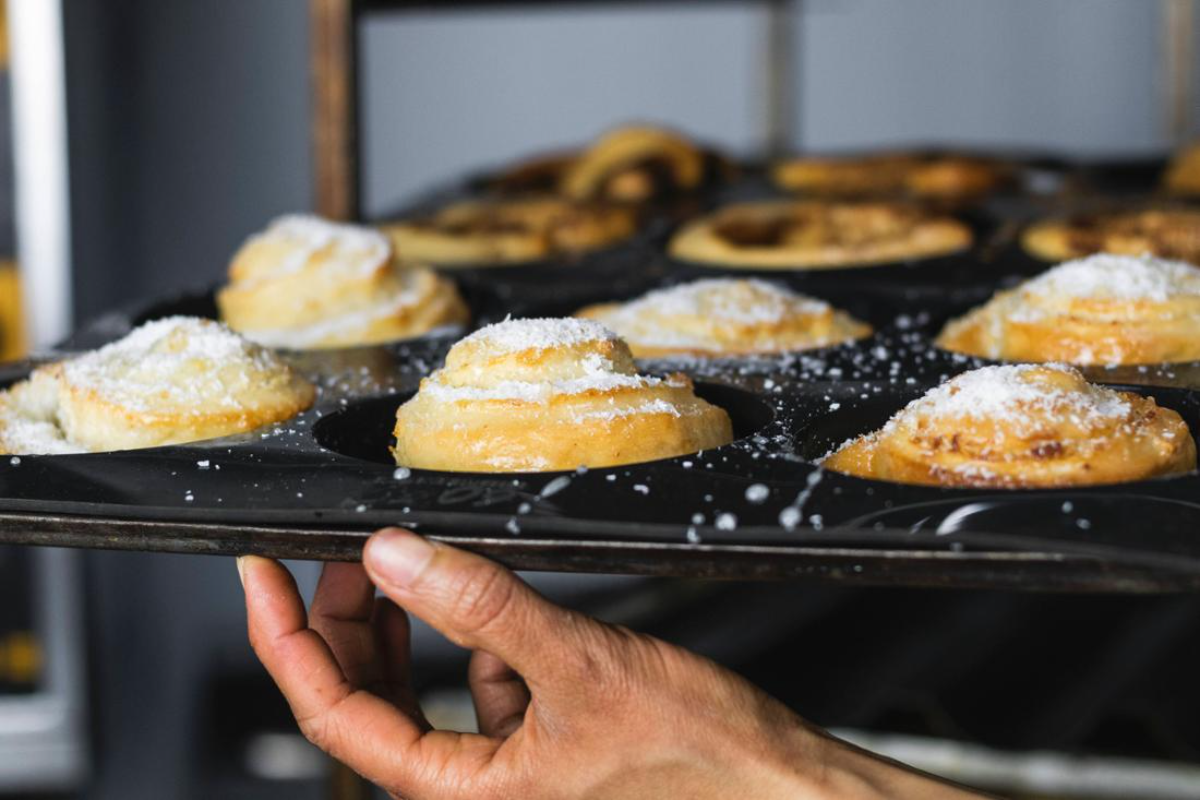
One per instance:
[(484, 233), (1103, 309), (534, 395), (306, 284), (813, 234), (1022, 426), (631, 164), (171, 381), (719, 317), (1183, 173), (1163, 232), (925, 177)]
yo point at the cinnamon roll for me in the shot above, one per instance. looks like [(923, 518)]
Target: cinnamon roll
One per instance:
[(306, 283), (1183, 173), (1166, 232), (817, 235), (497, 232), (1021, 427), (550, 394), (635, 164), (632, 164), (725, 317), (1104, 309), (939, 177), (174, 380)]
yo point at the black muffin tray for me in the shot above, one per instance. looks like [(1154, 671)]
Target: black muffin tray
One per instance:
[(315, 487)]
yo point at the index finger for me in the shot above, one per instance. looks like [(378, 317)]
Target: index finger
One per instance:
[(363, 731)]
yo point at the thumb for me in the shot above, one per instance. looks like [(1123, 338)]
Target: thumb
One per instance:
[(476, 603)]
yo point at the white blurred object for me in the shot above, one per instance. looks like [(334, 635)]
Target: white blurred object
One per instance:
[(40, 157)]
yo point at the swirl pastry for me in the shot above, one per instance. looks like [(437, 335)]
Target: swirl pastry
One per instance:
[(632, 164), (1019, 427), (174, 380), (305, 283), (493, 232), (1103, 309), (1183, 173), (726, 317), (926, 177), (550, 394), (635, 164), (817, 235), (1167, 233)]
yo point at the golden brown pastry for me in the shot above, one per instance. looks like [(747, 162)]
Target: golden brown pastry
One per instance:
[(1183, 173), (631, 164), (306, 283), (635, 164), (944, 177), (783, 234), (174, 380), (725, 317), (1103, 309), (1167, 233), (550, 394), (497, 232), (1022, 426)]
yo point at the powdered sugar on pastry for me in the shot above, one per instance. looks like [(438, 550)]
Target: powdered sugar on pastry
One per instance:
[(174, 380), (1011, 393), (516, 335), (144, 368), (1114, 277), (354, 249)]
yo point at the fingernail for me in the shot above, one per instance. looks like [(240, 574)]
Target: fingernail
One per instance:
[(397, 556), (241, 566)]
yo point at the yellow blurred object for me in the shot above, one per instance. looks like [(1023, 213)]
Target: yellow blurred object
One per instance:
[(12, 320), (20, 658)]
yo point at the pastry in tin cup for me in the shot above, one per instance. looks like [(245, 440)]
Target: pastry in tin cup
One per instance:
[(170, 381), (306, 283), (927, 177), (1022, 426), (1103, 309), (1183, 173), (718, 317), (1163, 232), (535, 395), (509, 231), (804, 235)]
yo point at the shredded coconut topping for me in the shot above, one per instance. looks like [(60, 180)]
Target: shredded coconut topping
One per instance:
[(147, 364), (1009, 392), (516, 335), (740, 301), (357, 248), (1113, 277)]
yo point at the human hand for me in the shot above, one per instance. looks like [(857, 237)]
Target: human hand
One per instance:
[(568, 707)]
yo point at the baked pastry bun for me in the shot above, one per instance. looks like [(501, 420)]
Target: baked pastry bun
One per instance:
[(926, 177), (1103, 309), (174, 380), (784, 234), (635, 164), (725, 317), (507, 231), (1167, 233), (632, 164), (550, 394), (306, 283), (1183, 173), (1022, 427)]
